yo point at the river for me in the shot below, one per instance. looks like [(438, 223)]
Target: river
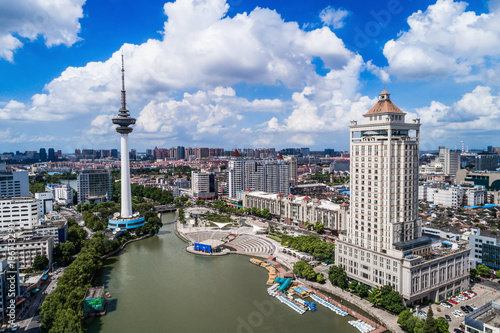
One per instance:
[(156, 286)]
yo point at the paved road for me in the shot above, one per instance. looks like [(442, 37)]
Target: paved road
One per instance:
[(27, 321), (66, 212)]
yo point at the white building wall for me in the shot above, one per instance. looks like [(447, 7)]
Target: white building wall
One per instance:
[(19, 213)]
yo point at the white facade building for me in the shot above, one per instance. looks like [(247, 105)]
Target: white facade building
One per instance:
[(203, 185), (298, 210), (269, 176), (383, 244), (453, 196), (19, 213), (45, 202), (25, 250), (63, 194)]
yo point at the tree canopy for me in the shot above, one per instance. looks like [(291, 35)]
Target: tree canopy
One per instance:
[(311, 244)]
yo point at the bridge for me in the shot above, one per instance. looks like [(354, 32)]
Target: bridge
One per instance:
[(165, 208)]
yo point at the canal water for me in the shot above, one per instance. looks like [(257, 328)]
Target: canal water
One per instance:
[(156, 286)]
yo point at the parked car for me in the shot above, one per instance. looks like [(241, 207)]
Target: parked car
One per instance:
[(451, 300), (445, 305), (464, 309), (469, 308), (448, 318), (473, 307)]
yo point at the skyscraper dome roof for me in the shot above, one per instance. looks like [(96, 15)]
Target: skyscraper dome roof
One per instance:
[(384, 105)]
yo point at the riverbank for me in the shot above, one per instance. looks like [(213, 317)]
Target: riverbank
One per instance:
[(146, 279), (121, 247), (389, 321)]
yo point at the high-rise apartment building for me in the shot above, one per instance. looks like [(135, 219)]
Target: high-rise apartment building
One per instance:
[(450, 160), (94, 186), (271, 176), (52, 155), (292, 162), (43, 155), (486, 161), (383, 244), (14, 183), (203, 185)]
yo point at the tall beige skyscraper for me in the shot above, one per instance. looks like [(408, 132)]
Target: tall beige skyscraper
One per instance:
[(383, 243)]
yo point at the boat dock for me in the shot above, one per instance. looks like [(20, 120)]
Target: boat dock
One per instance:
[(270, 269), (377, 328)]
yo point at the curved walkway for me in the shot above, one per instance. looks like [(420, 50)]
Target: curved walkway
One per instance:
[(389, 320)]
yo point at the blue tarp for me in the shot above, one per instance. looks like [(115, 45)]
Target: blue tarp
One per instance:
[(472, 207), (202, 247), (285, 284), (447, 243), (489, 206)]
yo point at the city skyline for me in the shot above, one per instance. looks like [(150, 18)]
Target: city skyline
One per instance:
[(254, 74)]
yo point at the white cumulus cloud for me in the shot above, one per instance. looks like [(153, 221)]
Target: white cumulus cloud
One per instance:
[(446, 40), (333, 17), (477, 113), (56, 21)]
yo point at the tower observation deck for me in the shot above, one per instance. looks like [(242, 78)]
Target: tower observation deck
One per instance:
[(126, 219)]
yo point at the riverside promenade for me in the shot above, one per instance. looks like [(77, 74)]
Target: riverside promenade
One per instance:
[(390, 321)]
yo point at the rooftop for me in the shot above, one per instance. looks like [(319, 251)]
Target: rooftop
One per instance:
[(94, 292), (384, 105)]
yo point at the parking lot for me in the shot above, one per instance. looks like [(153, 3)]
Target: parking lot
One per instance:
[(485, 294)]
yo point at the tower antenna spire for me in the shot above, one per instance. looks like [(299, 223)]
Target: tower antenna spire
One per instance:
[(124, 106)]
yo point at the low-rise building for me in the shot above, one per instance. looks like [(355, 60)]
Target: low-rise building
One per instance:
[(299, 210), (19, 213), (485, 248), (6, 285), (63, 194), (452, 196), (485, 319), (45, 202), (25, 250)]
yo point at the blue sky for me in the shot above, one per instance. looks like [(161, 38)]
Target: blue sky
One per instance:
[(245, 73)]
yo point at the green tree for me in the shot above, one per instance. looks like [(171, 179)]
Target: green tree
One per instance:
[(473, 273), (353, 284), (298, 268), (430, 324), (338, 276), (394, 302), (442, 325), (320, 278), (403, 318), (66, 251), (414, 323), (319, 227), (40, 262), (376, 297), (265, 213), (483, 270), (309, 273), (362, 290), (419, 326), (498, 275)]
